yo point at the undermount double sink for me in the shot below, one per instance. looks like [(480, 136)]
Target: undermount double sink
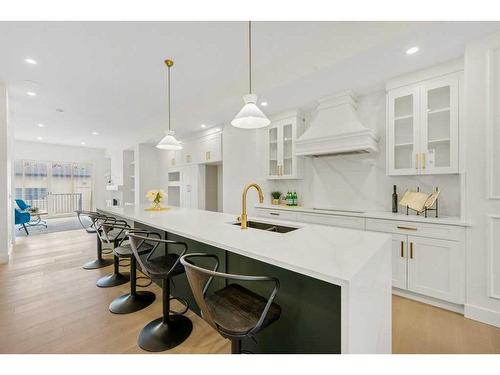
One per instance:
[(268, 226)]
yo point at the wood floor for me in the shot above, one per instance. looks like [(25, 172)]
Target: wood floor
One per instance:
[(49, 304)]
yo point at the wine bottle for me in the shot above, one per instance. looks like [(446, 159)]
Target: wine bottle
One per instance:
[(394, 200)]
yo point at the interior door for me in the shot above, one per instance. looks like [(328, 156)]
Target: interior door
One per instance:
[(434, 268), (403, 131), (399, 261), (439, 133)]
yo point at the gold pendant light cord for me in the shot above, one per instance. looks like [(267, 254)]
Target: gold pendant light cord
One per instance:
[(169, 64), (250, 55)]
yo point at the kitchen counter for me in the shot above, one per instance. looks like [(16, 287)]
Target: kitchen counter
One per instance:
[(357, 261), (385, 215)]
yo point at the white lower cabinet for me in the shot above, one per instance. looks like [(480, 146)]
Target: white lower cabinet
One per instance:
[(435, 268), (399, 261), (428, 259)]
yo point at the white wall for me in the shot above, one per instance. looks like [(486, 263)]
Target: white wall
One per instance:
[(52, 152), (242, 163), (482, 93), (359, 181), (148, 173), (6, 209)]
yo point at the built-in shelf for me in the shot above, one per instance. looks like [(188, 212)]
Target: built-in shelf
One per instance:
[(439, 110), (403, 144), (444, 140), (402, 117), (132, 176)]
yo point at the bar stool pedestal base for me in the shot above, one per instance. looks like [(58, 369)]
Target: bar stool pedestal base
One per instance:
[(129, 303), (158, 336), (98, 263), (114, 279)]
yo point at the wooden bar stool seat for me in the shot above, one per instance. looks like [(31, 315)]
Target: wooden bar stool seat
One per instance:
[(89, 221), (134, 300), (234, 311), (173, 327), (111, 231)]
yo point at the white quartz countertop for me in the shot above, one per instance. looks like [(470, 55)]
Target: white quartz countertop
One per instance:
[(448, 220), (334, 255)]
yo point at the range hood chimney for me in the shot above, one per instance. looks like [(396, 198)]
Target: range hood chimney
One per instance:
[(336, 130)]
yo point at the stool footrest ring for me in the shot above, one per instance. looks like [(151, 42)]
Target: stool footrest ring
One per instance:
[(182, 302), (143, 285)]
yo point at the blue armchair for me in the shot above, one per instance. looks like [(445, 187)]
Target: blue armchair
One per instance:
[(22, 218), (23, 206)]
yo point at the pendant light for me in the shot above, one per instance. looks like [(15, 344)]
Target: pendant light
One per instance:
[(169, 142), (250, 116)]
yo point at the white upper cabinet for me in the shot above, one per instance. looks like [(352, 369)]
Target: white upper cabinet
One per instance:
[(202, 150), (281, 136), (422, 127)]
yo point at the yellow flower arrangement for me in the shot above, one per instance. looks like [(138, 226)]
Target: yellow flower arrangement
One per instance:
[(156, 197)]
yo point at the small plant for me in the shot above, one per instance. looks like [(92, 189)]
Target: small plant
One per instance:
[(276, 195)]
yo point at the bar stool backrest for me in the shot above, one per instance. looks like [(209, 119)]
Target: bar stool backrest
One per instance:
[(93, 216), (154, 239), (110, 223), (200, 278)]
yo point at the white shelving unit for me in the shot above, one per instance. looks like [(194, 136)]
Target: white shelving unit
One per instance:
[(128, 183)]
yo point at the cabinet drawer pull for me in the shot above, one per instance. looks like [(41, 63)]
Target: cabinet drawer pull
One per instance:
[(423, 160), (411, 250), (402, 249), (274, 213), (416, 162), (407, 228)]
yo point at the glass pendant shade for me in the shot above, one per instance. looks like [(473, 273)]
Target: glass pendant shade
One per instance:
[(250, 116), (169, 143)]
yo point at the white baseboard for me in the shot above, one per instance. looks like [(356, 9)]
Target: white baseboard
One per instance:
[(5, 258), (429, 300), (482, 315)]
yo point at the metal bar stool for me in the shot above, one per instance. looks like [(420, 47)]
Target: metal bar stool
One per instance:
[(234, 311), (91, 228), (134, 300), (112, 237), (171, 329)]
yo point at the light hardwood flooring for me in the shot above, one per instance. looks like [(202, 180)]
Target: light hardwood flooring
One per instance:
[(49, 304)]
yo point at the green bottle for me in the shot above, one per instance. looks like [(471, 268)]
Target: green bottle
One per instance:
[(289, 199), (295, 203)]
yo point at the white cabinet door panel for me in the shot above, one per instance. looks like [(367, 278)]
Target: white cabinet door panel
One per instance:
[(435, 268), (399, 261)]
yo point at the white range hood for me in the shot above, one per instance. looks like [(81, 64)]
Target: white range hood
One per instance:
[(336, 130)]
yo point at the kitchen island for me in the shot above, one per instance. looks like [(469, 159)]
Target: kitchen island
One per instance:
[(335, 282)]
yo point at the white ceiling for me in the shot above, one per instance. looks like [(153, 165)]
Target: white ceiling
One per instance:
[(109, 77)]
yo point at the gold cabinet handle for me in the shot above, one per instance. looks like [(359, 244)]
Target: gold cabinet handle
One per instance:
[(411, 250), (406, 228), (416, 162), (423, 161), (402, 249), (207, 155)]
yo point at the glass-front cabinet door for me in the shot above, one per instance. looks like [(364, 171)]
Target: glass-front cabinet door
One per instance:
[(273, 151), (403, 132), (439, 133), (281, 135)]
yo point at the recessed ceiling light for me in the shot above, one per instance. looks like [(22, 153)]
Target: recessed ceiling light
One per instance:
[(412, 50), (82, 143), (203, 126), (39, 138), (41, 125), (30, 61), (31, 93), (95, 133), (264, 104)]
